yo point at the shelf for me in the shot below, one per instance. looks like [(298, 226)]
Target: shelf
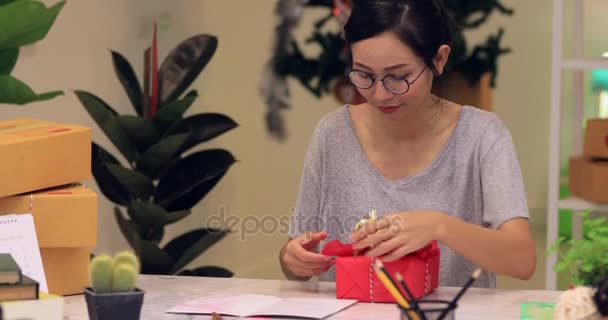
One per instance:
[(585, 64), (578, 204)]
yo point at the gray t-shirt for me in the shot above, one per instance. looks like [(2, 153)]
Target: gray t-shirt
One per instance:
[(476, 177)]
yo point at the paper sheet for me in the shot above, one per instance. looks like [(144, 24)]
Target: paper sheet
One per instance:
[(18, 237)]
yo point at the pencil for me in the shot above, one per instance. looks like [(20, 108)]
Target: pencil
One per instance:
[(474, 277), (409, 294), (390, 285)]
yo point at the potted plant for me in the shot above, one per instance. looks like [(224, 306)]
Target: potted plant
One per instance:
[(22, 23), (585, 259), (113, 294), (158, 177)]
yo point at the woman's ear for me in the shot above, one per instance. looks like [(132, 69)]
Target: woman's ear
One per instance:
[(441, 58)]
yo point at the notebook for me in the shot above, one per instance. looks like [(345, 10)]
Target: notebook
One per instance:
[(249, 305), (47, 307), (9, 270), (27, 289), (18, 237)]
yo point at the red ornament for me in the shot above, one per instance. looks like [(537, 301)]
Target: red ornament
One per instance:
[(341, 10)]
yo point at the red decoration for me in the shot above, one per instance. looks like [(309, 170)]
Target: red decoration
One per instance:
[(154, 98)]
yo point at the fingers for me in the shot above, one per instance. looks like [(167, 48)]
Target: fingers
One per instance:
[(386, 246), (373, 239), (309, 257), (303, 262), (401, 248), (396, 254), (315, 235), (310, 240), (371, 227), (308, 272)]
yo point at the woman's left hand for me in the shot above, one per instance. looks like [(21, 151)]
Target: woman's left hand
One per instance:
[(395, 235)]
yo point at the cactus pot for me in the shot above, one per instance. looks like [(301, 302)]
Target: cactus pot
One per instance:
[(114, 306)]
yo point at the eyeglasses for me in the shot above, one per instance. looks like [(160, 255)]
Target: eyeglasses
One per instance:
[(396, 85)]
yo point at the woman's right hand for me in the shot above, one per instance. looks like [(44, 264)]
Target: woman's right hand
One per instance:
[(299, 258)]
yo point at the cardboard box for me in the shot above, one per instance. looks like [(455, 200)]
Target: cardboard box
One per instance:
[(588, 179), (355, 278), (66, 226), (40, 154), (65, 217), (596, 139), (66, 269)]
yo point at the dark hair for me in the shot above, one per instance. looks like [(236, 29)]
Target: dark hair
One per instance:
[(423, 25)]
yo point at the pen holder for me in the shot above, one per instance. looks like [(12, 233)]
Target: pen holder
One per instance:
[(431, 310)]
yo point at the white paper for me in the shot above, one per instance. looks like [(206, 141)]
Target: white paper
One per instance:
[(317, 308), (18, 237), (247, 305)]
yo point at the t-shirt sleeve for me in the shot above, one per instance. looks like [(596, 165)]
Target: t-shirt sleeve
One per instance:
[(504, 196), (306, 215)]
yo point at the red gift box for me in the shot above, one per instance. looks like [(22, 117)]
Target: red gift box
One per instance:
[(356, 279)]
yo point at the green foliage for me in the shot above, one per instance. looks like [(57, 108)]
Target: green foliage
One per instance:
[(158, 177), (22, 22), (586, 259)]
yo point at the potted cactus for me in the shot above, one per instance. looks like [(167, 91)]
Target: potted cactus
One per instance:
[(113, 294)]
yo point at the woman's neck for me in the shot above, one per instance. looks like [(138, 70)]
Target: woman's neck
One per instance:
[(415, 122)]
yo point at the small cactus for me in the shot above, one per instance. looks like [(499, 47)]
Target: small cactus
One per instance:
[(127, 257), (100, 273), (117, 274)]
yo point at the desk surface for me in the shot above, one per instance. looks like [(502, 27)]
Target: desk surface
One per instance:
[(163, 292)]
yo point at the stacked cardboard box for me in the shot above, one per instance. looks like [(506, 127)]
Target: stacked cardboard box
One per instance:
[(588, 177), (41, 164)]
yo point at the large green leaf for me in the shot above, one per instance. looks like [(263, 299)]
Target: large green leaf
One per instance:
[(109, 185), (3, 2), (130, 230), (151, 216), (141, 131), (107, 120), (138, 185), (25, 21), (129, 81), (13, 91), (190, 245), (8, 59), (153, 259), (186, 183), (202, 127), (155, 235), (208, 271), (183, 64), (173, 111), (159, 156)]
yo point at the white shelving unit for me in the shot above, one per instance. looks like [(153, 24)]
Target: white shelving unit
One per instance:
[(578, 65)]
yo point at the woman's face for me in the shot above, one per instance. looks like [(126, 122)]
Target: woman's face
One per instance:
[(385, 55)]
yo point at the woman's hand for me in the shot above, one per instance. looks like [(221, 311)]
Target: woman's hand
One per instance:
[(299, 260), (395, 235)]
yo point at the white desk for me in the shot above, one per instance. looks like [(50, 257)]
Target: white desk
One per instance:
[(163, 292)]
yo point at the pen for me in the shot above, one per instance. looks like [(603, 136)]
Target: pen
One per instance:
[(390, 285)]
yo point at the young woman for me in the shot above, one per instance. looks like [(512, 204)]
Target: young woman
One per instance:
[(432, 169)]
